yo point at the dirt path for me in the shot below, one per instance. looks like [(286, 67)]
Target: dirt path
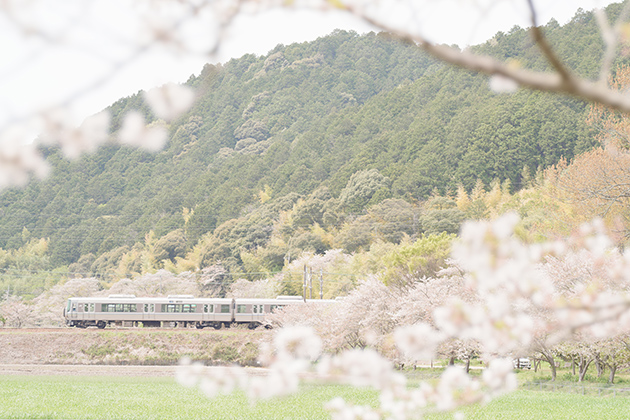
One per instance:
[(87, 370), (100, 370)]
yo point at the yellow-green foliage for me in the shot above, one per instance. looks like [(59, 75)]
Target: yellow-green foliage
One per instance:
[(411, 261)]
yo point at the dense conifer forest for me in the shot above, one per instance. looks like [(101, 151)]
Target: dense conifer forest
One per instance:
[(339, 143)]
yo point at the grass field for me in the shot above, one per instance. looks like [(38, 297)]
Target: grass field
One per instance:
[(523, 405), (57, 397), (103, 398)]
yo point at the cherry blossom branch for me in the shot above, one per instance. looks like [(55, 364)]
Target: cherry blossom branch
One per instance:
[(611, 37), (563, 81)]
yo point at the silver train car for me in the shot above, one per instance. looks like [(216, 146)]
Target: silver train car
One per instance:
[(181, 310)]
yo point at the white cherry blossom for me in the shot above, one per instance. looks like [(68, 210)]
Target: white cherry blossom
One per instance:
[(19, 160), (134, 132), (170, 100)]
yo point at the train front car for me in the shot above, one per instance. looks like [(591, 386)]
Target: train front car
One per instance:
[(82, 312), (85, 312)]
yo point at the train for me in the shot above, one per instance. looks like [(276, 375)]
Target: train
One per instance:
[(174, 311)]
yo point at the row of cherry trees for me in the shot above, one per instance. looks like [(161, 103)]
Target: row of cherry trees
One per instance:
[(371, 315), (500, 298)]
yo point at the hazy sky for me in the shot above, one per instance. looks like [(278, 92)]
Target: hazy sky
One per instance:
[(89, 37)]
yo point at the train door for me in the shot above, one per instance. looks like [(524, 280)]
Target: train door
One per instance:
[(208, 312), (148, 311), (258, 311), (89, 311)]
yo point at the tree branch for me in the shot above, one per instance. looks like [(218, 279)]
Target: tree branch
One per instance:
[(562, 81)]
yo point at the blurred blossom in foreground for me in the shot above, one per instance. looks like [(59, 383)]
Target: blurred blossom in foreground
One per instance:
[(188, 372), (170, 101), (135, 132), (499, 377), (419, 341), (502, 84), (18, 160), (340, 410), (298, 342), (87, 138)]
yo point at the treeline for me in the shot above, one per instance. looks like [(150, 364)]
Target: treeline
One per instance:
[(337, 143)]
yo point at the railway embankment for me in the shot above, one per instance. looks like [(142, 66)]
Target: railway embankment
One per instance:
[(162, 347)]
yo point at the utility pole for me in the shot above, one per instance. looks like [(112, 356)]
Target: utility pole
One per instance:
[(321, 283), (304, 284), (310, 283)]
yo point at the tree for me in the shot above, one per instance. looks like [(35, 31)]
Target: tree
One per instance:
[(392, 220), (363, 187), (597, 181), (15, 312), (614, 354), (441, 215), (171, 246)]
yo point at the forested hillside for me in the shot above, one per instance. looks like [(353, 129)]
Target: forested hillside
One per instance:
[(335, 143)]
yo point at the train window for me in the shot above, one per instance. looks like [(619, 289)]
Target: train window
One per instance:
[(171, 307), (118, 307), (258, 309), (152, 308), (225, 309), (146, 307), (91, 307), (86, 307), (241, 309), (208, 308), (274, 307), (189, 308)]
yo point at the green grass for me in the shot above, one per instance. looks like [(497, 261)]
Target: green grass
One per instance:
[(103, 398), (523, 405)]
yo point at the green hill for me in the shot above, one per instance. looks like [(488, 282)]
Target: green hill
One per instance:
[(341, 129)]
